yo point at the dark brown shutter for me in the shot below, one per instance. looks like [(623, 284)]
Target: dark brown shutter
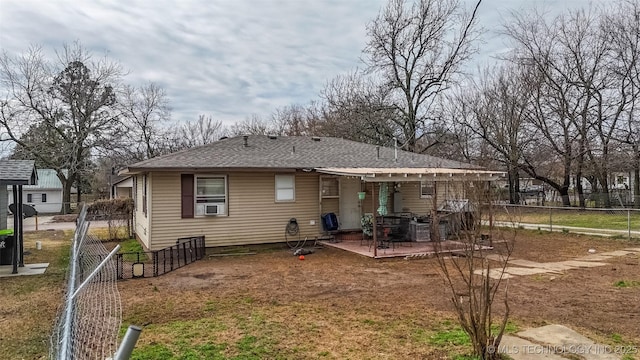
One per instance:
[(186, 181)]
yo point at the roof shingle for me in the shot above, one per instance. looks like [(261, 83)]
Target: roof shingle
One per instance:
[(18, 172), (292, 152)]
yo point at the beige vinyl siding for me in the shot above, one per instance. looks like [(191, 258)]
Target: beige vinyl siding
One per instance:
[(412, 202), (331, 205), (254, 217), (143, 232)]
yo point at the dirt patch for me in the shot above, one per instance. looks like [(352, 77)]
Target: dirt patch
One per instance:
[(64, 218), (343, 296)]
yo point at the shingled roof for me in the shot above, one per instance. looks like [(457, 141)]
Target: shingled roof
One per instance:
[(18, 172), (291, 152)]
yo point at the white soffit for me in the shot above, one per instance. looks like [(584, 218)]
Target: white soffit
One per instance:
[(414, 174)]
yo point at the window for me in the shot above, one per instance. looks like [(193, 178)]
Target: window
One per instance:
[(44, 198), (427, 189), (211, 195), (330, 187), (144, 195), (29, 198), (135, 193), (285, 188)]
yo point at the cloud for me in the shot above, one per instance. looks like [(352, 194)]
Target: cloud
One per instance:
[(228, 59)]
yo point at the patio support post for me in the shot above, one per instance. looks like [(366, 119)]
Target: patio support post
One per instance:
[(20, 239), (375, 220), (435, 222), (15, 232)]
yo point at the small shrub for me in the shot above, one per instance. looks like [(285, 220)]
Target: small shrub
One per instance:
[(627, 283)]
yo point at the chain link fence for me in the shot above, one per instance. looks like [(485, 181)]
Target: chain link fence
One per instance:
[(88, 324), (612, 222)]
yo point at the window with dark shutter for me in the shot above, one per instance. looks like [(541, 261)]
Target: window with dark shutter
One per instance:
[(187, 195), (144, 195), (44, 198)]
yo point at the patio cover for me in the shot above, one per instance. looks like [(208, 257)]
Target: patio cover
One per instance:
[(414, 174), (16, 173)]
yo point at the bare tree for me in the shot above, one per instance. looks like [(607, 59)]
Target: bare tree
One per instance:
[(355, 107), (253, 125), (203, 131), (584, 93), (622, 25), (494, 109), (556, 53), (417, 50), (71, 100), (146, 112), (473, 279)]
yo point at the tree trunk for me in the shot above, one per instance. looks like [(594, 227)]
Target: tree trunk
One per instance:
[(580, 190), (78, 190), (564, 194), (606, 199), (66, 196), (514, 185)]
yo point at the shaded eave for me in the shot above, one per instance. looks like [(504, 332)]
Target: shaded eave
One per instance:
[(143, 170), (365, 174), (414, 174)]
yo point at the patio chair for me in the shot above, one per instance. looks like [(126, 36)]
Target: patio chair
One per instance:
[(330, 225)]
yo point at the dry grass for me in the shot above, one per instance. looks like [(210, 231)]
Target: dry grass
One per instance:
[(333, 305), (30, 303), (336, 305)]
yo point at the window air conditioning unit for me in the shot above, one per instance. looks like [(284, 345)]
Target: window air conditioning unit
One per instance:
[(214, 209)]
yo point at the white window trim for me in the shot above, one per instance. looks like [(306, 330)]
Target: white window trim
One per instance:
[(195, 194), (293, 177), (422, 185)]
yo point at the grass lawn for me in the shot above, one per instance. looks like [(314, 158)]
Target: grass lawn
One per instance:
[(615, 219), (333, 305), (30, 303)]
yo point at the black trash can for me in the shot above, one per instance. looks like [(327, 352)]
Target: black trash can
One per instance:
[(6, 250)]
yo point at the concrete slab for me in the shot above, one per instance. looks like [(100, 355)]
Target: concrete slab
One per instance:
[(617, 253), (557, 266), (526, 271), (585, 264), (600, 257), (495, 257), (521, 349), (563, 340), (494, 274), (28, 269), (526, 263)]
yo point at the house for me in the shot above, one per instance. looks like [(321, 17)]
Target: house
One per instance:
[(122, 187), (246, 189), (46, 196)]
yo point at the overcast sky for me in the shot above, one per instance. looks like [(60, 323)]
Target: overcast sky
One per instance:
[(225, 58)]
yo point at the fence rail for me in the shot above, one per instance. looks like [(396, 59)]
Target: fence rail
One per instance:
[(619, 222), (155, 263), (87, 326)]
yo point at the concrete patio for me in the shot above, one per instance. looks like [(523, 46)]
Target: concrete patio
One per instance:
[(27, 269), (406, 249)]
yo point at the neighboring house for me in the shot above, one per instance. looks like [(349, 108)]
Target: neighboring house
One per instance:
[(19, 173), (46, 196), (245, 190), (122, 188)]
